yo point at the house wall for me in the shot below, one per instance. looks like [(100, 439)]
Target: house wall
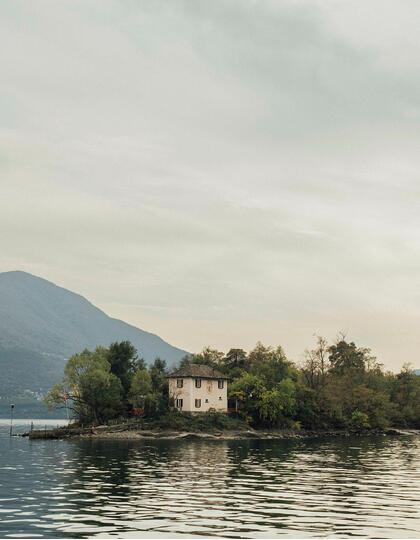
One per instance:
[(185, 393), (209, 390)]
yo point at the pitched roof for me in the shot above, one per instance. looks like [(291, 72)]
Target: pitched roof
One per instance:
[(200, 371)]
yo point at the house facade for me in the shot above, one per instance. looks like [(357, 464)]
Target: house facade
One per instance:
[(198, 388)]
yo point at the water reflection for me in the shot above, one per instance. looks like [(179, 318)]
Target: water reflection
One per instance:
[(362, 486)]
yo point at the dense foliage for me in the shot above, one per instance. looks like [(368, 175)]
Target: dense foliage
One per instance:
[(337, 386), (105, 384)]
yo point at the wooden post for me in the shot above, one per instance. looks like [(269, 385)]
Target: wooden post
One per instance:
[(11, 418)]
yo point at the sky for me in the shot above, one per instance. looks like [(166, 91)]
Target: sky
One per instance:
[(219, 172)]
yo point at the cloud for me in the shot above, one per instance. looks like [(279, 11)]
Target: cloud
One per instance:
[(226, 163)]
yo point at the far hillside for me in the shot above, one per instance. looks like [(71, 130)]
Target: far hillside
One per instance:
[(41, 325)]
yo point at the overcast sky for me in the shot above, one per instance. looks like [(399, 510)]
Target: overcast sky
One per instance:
[(219, 172)]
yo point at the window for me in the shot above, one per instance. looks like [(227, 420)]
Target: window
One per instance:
[(220, 383), (198, 403), (179, 403), (198, 383), (220, 398), (180, 383), (206, 401)]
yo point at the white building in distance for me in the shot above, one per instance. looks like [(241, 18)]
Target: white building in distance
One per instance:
[(198, 388)]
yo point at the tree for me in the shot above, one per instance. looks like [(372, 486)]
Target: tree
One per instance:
[(345, 356), (247, 390), (185, 361), (316, 366), (141, 393), (235, 358), (270, 364), (95, 392), (269, 407), (160, 388), (261, 405), (277, 406), (122, 358), (141, 388), (139, 363), (359, 420), (158, 374), (287, 390), (308, 412), (405, 394), (209, 357), (260, 354)]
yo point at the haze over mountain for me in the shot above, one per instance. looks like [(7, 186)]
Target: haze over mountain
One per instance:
[(41, 325)]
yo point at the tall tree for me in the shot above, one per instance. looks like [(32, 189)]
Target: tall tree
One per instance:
[(270, 364), (95, 392), (160, 388), (141, 393), (235, 359), (345, 356), (122, 357), (208, 356), (316, 365)]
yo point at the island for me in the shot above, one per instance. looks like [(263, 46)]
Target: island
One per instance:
[(339, 389)]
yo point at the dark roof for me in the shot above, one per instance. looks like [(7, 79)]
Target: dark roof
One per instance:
[(198, 370)]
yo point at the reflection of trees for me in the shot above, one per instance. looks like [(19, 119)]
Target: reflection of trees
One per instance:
[(261, 450), (353, 452), (232, 486), (153, 478), (184, 464), (345, 478), (331, 478), (99, 469)]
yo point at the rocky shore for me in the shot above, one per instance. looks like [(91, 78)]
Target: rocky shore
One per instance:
[(124, 432)]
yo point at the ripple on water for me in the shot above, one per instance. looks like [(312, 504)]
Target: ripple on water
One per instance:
[(365, 487)]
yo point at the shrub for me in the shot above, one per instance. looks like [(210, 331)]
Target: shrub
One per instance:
[(359, 420)]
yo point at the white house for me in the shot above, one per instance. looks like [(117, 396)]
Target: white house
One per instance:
[(198, 388)]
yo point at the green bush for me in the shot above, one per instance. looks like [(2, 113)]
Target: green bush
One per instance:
[(359, 420)]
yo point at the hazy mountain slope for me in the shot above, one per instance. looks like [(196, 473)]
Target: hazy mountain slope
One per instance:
[(44, 324), (37, 315), (27, 373)]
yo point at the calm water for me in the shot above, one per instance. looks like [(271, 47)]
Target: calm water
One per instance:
[(367, 486)]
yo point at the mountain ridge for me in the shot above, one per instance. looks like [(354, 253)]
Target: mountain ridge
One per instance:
[(41, 320)]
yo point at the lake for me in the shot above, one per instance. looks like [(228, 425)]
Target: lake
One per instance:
[(358, 486)]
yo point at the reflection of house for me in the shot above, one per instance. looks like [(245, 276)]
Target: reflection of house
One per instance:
[(198, 388)]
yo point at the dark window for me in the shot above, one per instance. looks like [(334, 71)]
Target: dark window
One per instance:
[(220, 382), (198, 403), (180, 383), (179, 403), (198, 383), (207, 401), (220, 398)]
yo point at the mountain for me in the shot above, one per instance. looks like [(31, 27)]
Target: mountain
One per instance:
[(41, 325)]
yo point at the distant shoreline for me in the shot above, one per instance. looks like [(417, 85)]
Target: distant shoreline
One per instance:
[(122, 433)]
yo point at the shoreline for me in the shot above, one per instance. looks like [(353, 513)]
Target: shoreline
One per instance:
[(122, 433)]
